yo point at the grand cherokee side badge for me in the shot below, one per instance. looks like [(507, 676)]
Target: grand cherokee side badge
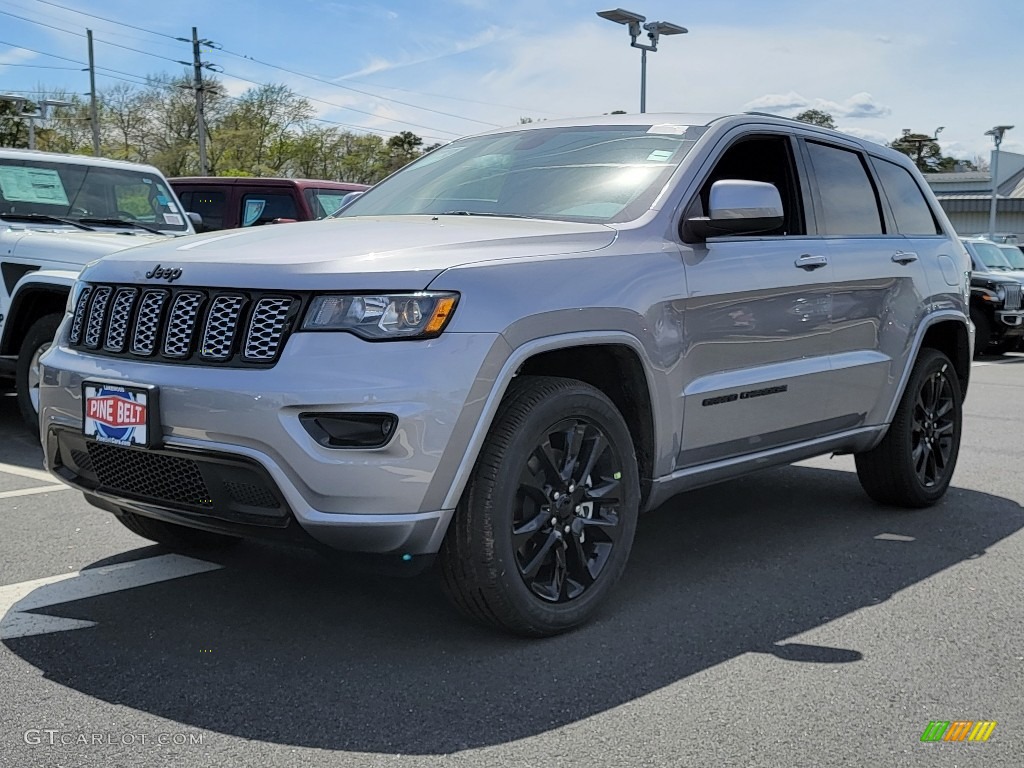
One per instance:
[(160, 273)]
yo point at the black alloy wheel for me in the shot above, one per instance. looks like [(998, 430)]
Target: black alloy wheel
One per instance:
[(566, 522)]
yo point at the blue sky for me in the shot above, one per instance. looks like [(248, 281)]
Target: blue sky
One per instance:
[(444, 68)]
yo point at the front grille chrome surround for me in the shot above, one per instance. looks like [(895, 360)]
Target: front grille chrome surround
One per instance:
[(148, 322), (186, 325), (266, 328), (221, 327), (78, 321), (97, 316), (120, 315), (182, 324)]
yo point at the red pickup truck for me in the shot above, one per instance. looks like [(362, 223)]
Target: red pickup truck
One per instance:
[(226, 202)]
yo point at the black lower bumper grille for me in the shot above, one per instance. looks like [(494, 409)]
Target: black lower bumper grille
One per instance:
[(225, 487), (152, 476)]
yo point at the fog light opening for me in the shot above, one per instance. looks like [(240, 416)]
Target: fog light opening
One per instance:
[(350, 430)]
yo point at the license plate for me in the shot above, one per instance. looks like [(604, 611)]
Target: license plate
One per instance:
[(120, 414)]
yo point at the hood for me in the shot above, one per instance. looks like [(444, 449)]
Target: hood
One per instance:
[(354, 253), (997, 278), (70, 246)]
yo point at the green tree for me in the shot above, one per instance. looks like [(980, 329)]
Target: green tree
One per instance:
[(926, 153), (817, 117), (14, 130)]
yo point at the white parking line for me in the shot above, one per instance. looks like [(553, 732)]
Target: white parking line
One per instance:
[(35, 474), (17, 599), (34, 491)]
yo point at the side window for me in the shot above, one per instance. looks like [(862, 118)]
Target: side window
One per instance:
[(909, 206), (760, 158), (208, 204), (263, 208), (848, 199)]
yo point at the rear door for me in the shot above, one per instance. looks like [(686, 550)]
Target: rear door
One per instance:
[(880, 285)]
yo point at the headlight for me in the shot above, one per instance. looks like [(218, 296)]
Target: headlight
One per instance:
[(1001, 293), (380, 317)]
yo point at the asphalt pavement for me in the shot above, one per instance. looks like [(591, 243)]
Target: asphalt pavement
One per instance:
[(779, 620)]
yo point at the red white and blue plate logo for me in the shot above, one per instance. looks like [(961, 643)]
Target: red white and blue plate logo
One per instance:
[(116, 414)]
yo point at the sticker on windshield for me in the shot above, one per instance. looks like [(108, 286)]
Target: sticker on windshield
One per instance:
[(32, 185), (659, 156), (668, 128), (173, 219)]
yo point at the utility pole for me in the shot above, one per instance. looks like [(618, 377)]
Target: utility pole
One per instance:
[(997, 136), (93, 112), (197, 85)]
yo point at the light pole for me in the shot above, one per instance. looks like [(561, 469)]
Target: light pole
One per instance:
[(997, 136), (31, 117), (655, 29)]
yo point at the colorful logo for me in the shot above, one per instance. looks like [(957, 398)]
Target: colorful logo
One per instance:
[(958, 730), (116, 415)]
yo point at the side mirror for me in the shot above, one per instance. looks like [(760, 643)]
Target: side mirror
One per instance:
[(196, 219), (738, 207)]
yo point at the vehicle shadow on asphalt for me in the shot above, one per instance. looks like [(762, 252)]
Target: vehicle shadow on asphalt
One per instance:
[(285, 647)]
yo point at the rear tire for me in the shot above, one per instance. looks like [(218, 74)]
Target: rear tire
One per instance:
[(543, 531), (173, 536), (914, 463), (37, 341)]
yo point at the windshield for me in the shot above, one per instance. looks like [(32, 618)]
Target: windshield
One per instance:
[(94, 195), (589, 173), (324, 202), (1014, 255), (991, 256)]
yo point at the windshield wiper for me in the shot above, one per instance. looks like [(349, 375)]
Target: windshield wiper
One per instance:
[(485, 213), (45, 217), (123, 223)]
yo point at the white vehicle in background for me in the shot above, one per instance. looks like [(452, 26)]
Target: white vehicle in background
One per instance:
[(58, 213)]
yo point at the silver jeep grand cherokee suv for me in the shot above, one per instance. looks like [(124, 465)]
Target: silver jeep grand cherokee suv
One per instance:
[(505, 352)]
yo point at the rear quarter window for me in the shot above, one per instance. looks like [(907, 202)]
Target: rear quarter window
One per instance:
[(909, 207)]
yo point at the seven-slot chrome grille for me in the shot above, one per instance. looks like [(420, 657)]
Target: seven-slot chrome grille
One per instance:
[(195, 325), (1013, 297)]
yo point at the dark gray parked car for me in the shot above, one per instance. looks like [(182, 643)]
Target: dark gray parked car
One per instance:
[(504, 353)]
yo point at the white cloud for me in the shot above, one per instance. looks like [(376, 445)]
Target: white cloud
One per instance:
[(860, 105), (16, 56)]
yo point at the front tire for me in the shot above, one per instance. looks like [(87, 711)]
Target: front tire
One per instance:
[(176, 537), (545, 526), (27, 374), (914, 463)]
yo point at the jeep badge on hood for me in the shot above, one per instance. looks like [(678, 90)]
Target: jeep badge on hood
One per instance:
[(160, 273)]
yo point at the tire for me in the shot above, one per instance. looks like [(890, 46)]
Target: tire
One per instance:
[(541, 581), (176, 537), (982, 332), (26, 382), (930, 414)]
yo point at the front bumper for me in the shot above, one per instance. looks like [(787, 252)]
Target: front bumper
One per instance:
[(238, 431)]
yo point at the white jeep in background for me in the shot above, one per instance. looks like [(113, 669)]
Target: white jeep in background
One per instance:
[(57, 214)]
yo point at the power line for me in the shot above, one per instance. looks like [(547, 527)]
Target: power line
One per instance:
[(238, 77), (356, 90), (351, 109), (36, 66), (312, 77), (111, 21), (148, 83)]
